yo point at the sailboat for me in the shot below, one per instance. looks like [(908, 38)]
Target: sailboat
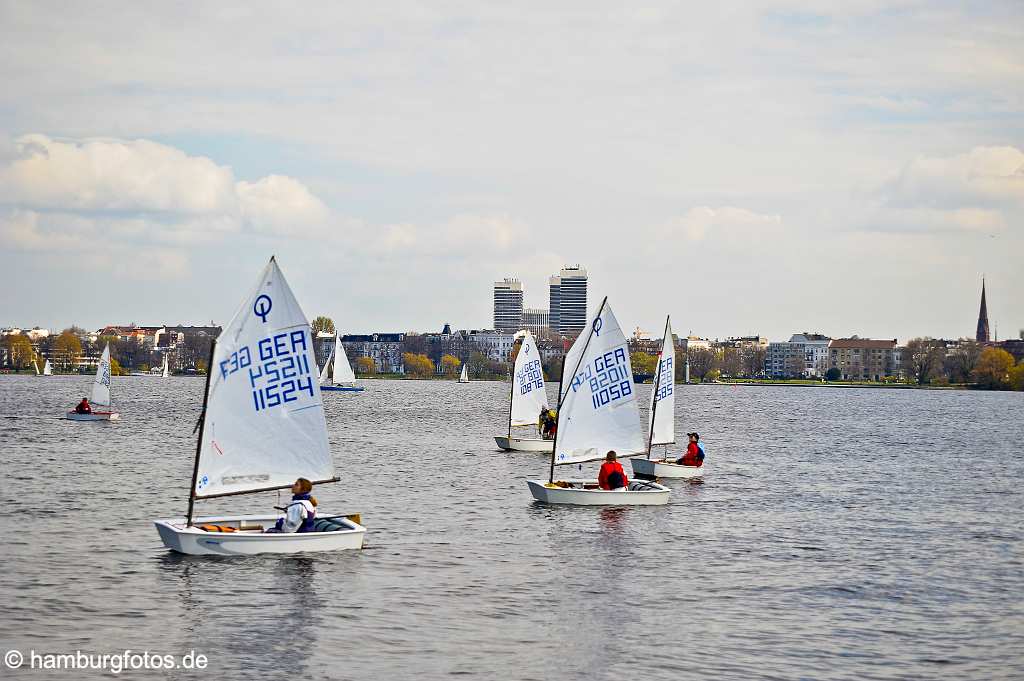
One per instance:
[(100, 396), (35, 365), (166, 372), (597, 413), (662, 419), (344, 378), (526, 398), (262, 427), (47, 369), (464, 376)]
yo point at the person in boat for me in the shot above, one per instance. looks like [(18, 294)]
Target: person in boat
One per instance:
[(300, 513), (694, 455), (83, 407), (547, 422), (611, 475)]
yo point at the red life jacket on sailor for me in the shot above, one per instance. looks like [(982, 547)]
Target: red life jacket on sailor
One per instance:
[(611, 472), (694, 456)]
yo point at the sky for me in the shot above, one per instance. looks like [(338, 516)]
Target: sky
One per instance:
[(749, 168)]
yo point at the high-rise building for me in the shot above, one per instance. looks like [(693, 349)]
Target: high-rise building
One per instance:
[(567, 312), (982, 336), (508, 305), (536, 320), (554, 301)]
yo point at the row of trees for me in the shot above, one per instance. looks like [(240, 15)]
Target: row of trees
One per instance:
[(66, 349), (929, 361)]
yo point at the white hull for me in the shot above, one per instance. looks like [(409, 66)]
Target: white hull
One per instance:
[(94, 416), (586, 493), (666, 469), (193, 541), (524, 444)]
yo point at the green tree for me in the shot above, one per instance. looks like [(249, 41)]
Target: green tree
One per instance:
[(67, 349), (644, 364), (365, 366), (959, 363), (732, 362), (1017, 376), (322, 324), (116, 369), (993, 368), (833, 374), (450, 364)]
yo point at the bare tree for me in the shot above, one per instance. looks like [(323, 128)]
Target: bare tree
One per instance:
[(923, 358), (702, 362), (753, 361), (961, 361), (732, 363)]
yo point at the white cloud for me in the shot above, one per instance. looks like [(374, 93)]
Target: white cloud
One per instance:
[(981, 190), (76, 195), (727, 223), (984, 175)]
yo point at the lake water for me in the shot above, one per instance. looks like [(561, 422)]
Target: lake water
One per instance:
[(841, 534)]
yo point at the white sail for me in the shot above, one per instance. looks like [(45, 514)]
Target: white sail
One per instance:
[(663, 395), (101, 384), (342, 369), (598, 409), (47, 369), (264, 424), (464, 376), (166, 371), (325, 370), (528, 394)]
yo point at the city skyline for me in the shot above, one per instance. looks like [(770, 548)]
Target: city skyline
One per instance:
[(395, 163)]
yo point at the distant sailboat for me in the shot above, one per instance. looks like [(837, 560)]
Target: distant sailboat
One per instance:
[(47, 369), (464, 376), (35, 365), (166, 372), (344, 379), (662, 419), (597, 413), (100, 393), (262, 427), (526, 398)]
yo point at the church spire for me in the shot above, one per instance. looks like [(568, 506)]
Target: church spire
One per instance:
[(983, 336)]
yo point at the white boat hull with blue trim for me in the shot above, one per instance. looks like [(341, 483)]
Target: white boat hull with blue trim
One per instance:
[(342, 388), (249, 539), (587, 493), (665, 468), (94, 416), (524, 444)]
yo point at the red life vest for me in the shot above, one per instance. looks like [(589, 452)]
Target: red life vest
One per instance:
[(607, 469), (692, 456)]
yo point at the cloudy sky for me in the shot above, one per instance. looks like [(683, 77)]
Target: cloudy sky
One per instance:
[(770, 167)]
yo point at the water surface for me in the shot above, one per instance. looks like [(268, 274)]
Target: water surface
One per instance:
[(843, 534)]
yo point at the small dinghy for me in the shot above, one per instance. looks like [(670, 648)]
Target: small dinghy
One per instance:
[(526, 399), (262, 427), (166, 370), (597, 412), (663, 420), (100, 396), (464, 376), (344, 379)]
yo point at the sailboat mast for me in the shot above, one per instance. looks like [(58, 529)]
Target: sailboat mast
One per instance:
[(657, 386), (512, 391), (590, 335), (199, 441)]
